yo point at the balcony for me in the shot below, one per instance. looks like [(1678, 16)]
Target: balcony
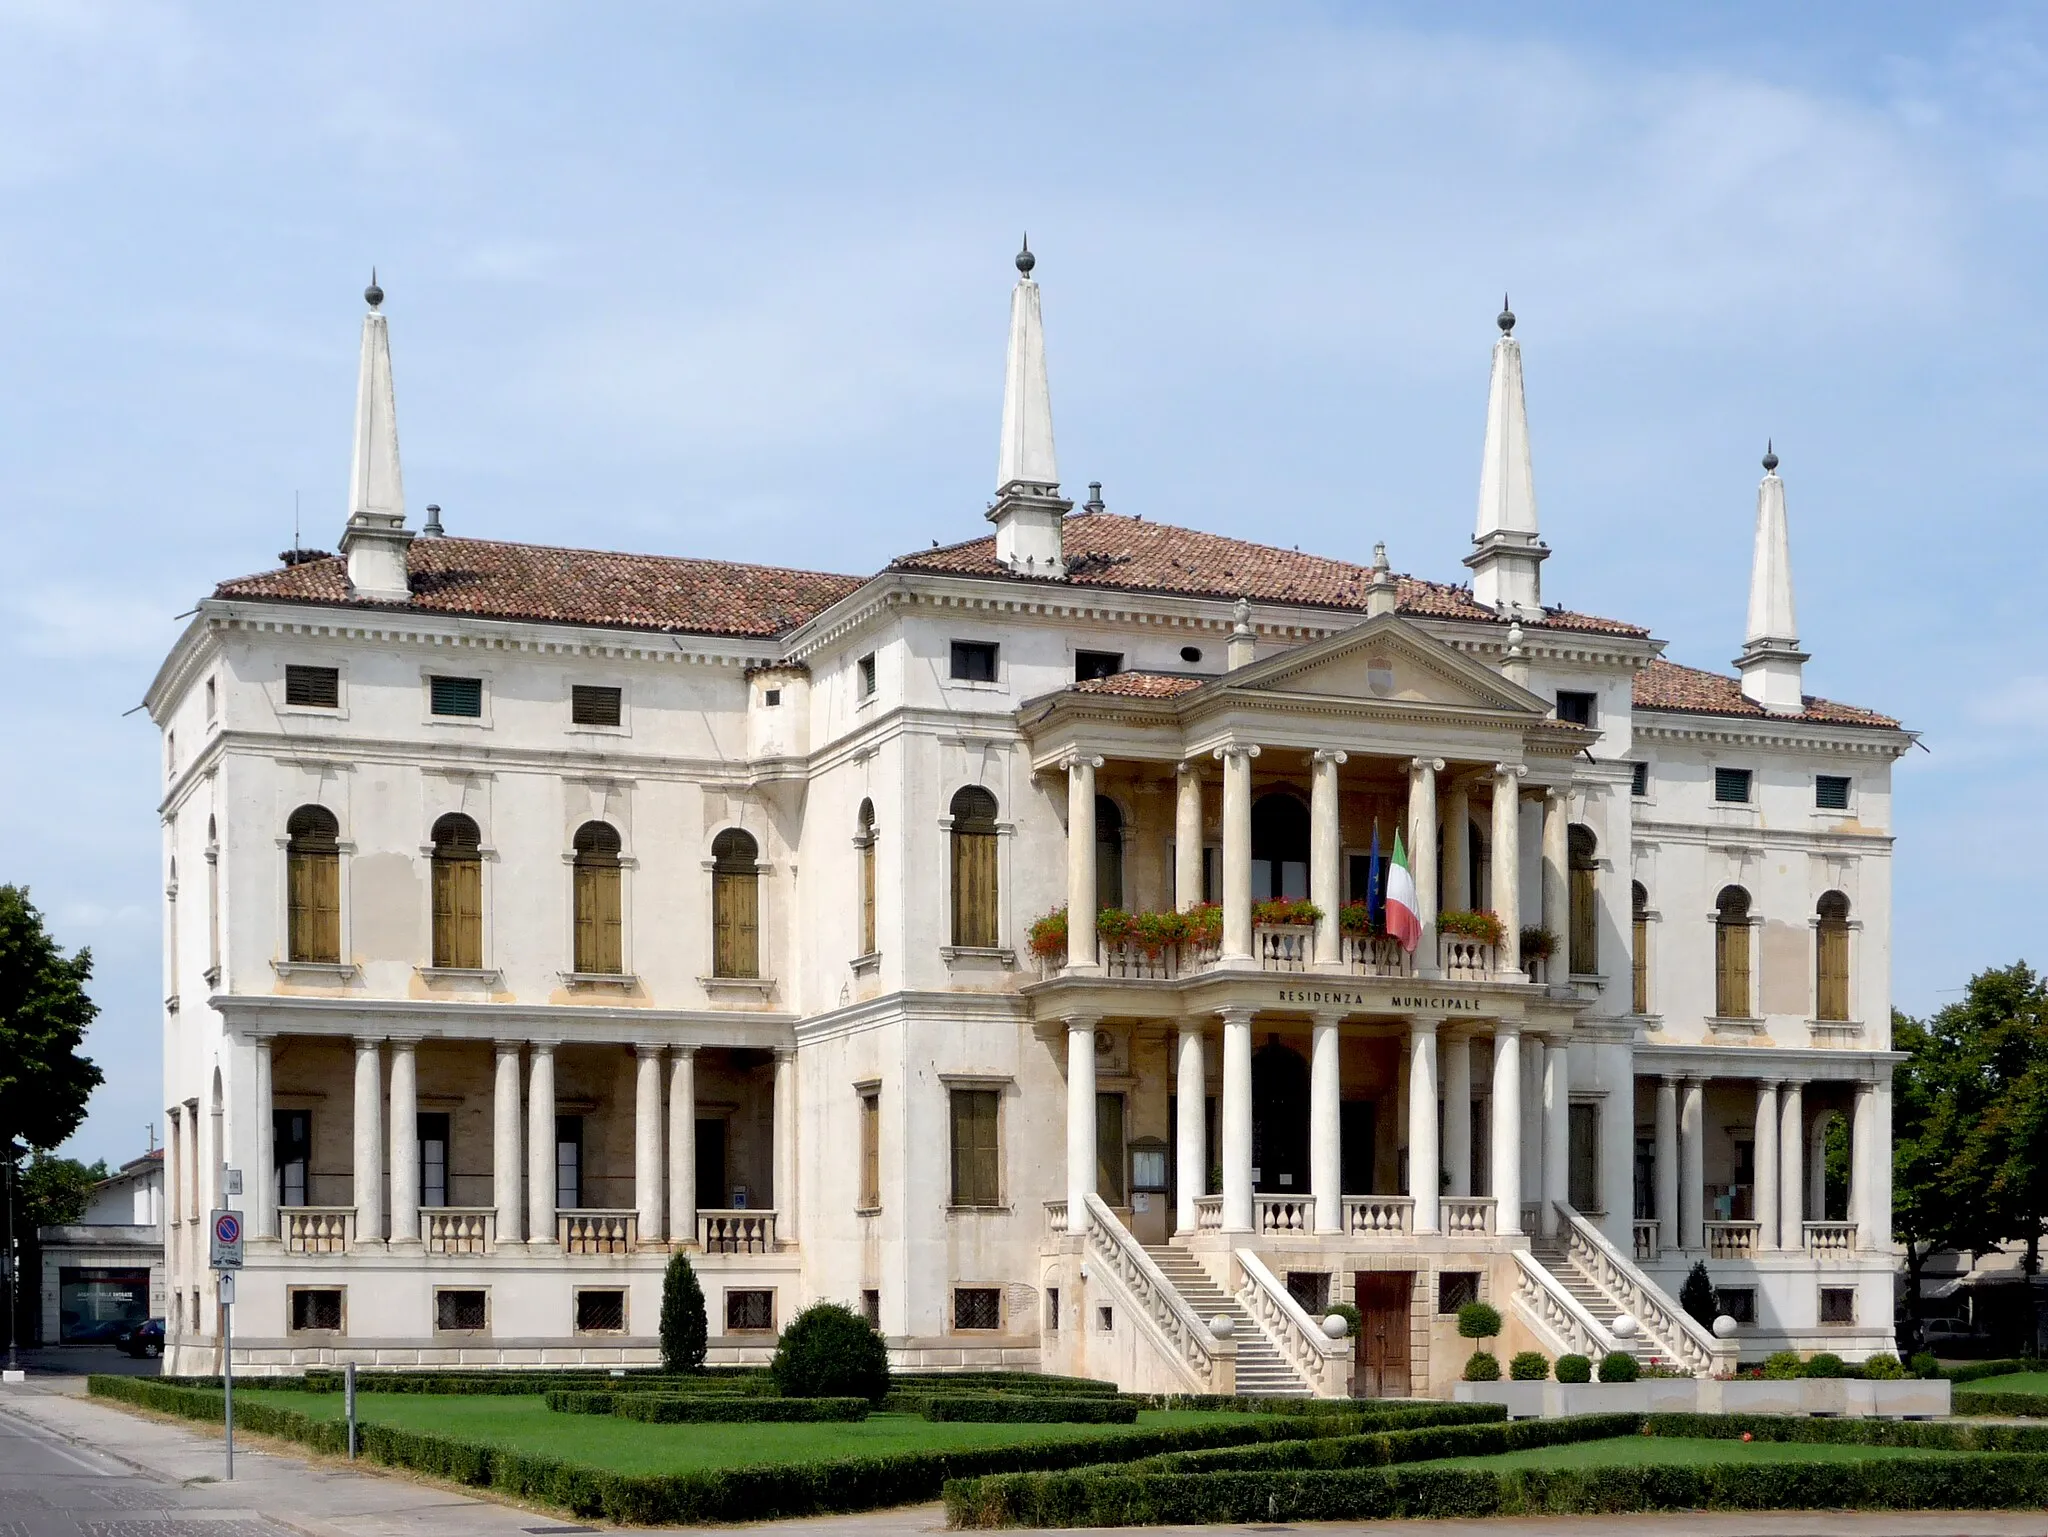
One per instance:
[(459, 1229), (1732, 1240), (318, 1229), (1468, 1214), (1829, 1240), (1376, 955), (1286, 948), (592, 1231), (736, 1232), (1647, 1240)]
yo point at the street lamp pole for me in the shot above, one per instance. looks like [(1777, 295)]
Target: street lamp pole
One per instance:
[(13, 1268)]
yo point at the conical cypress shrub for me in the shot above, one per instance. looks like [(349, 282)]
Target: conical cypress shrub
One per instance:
[(682, 1317)]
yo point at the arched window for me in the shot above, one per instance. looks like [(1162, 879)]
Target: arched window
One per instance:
[(1584, 899), (974, 869), (458, 893), (1731, 953), (864, 852), (735, 905), (1639, 943), (313, 882), (1280, 841), (1831, 959), (1109, 853), (600, 928)]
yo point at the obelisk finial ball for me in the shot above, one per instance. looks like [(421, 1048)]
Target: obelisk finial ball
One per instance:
[(373, 293), (1025, 260), (1506, 319), (1770, 457)]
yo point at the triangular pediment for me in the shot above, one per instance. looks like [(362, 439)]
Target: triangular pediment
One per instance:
[(1389, 660)]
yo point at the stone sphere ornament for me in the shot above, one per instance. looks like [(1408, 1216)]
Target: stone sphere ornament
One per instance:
[(1625, 1326), (1222, 1326), (1335, 1326), (1725, 1327)]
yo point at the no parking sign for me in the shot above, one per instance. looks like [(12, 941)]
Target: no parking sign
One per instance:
[(226, 1246)]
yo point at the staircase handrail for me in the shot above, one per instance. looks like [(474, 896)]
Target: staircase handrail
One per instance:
[(1548, 1307), (1181, 1334), (1673, 1330), (1300, 1339)]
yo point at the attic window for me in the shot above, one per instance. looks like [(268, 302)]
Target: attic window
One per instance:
[(313, 688), (457, 696), (1831, 792), (866, 669), (1639, 779), (1576, 706), (771, 697), (1191, 653), (593, 704), (974, 661), (1097, 664), (1731, 786)]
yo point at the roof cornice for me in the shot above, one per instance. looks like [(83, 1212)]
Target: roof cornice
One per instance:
[(1652, 724)]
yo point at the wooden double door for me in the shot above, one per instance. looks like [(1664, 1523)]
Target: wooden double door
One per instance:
[(1382, 1299)]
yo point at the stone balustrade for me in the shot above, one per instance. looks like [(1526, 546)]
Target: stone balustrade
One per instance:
[(1647, 1238), (1366, 1214), (1464, 959), (1284, 1213), (1834, 1239), (1376, 955), (1284, 946), (1468, 1214), (586, 1231), (1732, 1240), (742, 1232), (319, 1229), (459, 1229)]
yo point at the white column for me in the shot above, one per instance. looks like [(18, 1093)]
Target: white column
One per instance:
[(1870, 1175), (506, 1151), (1507, 1127), (1556, 896), (1456, 1052), (1764, 1161), (1187, 836), (1080, 1121), (1326, 853), (787, 1129), (1792, 1167), (1081, 945), (1507, 864), (259, 1184), (1533, 1139), (1237, 1120), (1425, 1151), (682, 1146), (1422, 853), (540, 1144), (1190, 1154), (647, 1191), (1458, 848), (369, 1142), (1667, 1164), (1237, 858), (1692, 1166), (1557, 1130), (1326, 1124), (405, 1143)]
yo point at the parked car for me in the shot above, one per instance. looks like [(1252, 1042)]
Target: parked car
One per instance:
[(146, 1339), (1956, 1339)]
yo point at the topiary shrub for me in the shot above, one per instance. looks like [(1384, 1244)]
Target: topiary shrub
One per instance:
[(1697, 1297), (828, 1351), (1619, 1366), (1484, 1366), (682, 1317), (1825, 1364), (1923, 1364), (1530, 1366), (1477, 1321), (1783, 1366), (1574, 1368), (1883, 1367)]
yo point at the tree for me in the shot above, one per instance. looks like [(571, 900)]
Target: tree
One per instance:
[(830, 1351), (51, 1192), (1698, 1297), (682, 1317), (44, 1011)]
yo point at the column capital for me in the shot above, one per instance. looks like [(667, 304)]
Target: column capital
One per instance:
[(1423, 1024), (1555, 794), (1327, 1016), (1510, 771), (542, 1046), (1229, 750), (1236, 1015), (1507, 1027), (1335, 755), (508, 1048), (784, 1054), (1769, 1083), (1075, 1022), (1069, 761), (683, 1053), (405, 1041), (646, 1051), (368, 1042), (1428, 765)]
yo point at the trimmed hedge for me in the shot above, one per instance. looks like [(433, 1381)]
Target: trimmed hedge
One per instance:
[(1420, 1444), (512, 1381), (652, 1409), (1031, 1408), (1930, 1435), (1000, 1382), (2033, 1405), (1972, 1371)]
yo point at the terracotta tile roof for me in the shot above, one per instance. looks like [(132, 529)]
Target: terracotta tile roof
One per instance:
[(1141, 685), (1106, 549), (1668, 686), (490, 579)]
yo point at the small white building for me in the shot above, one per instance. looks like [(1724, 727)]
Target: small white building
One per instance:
[(105, 1272), (533, 911)]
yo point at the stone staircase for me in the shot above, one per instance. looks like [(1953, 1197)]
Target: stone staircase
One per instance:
[(1262, 1372), (1551, 1254)]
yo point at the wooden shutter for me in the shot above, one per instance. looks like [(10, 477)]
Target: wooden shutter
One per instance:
[(315, 906), (1109, 1148), (1641, 927), (974, 889), (1731, 968), (1585, 922), (735, 925), (976, 1157), (599, 931), (1832, 989), (458, 912), (867, 896)]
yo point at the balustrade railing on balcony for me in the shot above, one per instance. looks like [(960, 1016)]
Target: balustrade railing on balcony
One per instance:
[(1133, 961), (1468, 1213), (1283, 946), (1379, 1214), (586, 1231), (1283, 1214), (742, 1232), (1830, 1238), (318, 1229), (459, 1229), (1646, 1238), (1463, 959), (1376, 955), (1731, 1240), (1208, 1213), (1290, 947)]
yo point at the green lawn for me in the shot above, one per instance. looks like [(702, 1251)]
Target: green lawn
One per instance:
[(1639, 1451), (627, 1446), (2018, 1382)]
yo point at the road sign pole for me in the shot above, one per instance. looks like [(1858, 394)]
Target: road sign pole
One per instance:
[(348, 1379), (227, 1361)]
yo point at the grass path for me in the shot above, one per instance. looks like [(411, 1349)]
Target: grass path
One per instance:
[(1639, 1451), (627, 1446)]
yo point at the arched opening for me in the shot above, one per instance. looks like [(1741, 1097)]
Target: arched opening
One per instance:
[(1280, 842), (1639, 944), (1109, 854), (864, 850), (1731, 953), (600, 925), (458, 893), (735, 904), (1583, 940), (1831, 958), (974, 869), (313, 886), (1279, 1121)]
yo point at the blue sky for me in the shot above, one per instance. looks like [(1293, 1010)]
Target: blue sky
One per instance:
[(732, 280)]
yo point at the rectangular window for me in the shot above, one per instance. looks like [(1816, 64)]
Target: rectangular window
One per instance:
[(977, 1158), (313, 1308), (1310, 1288), (1831, 792), (433, 1132), (1052, 1310), (974, 661), (1097, 664), (591, 704), (457, 696), (749, 1311), (871, 1307), (568, 1161), (865, 667), (1455, 1288), (1738, 1302), (1105, 1319), (771, 697), (212, 700), (313, 688), (1109, 1149), (1731, 786), (977, 1307), (1583, 1162), (459, 1312), (871, 1150), (1838, 1304), (291, 1133), (1577, 707), (601, 1312), (1639, 779)]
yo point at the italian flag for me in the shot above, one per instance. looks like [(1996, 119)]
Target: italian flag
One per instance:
[(1404, 917)]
